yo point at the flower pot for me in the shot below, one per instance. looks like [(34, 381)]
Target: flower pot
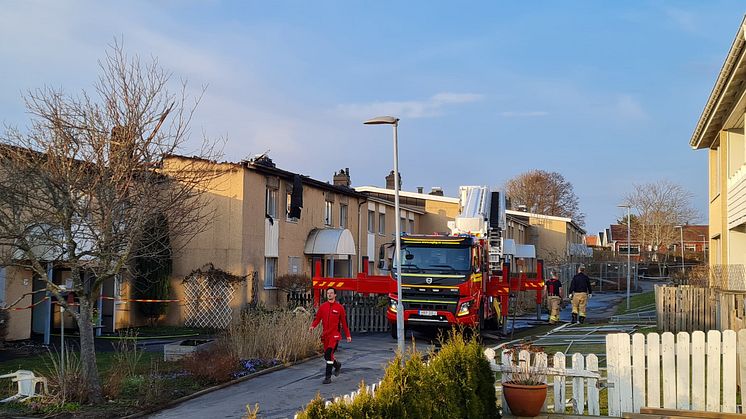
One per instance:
[(525, 400)]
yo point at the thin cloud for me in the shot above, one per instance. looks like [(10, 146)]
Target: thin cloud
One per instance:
[(628, 107), (432, 107), (529, 114), (682, 18)]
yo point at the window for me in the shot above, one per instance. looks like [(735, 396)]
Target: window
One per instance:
[(690, 248), (270, 207), (382, 224), (633, 249), (411, 226), (327, 213), (287, 209), (343, 215), (294, 265), (403, 225), (270, 272), (371, 221)]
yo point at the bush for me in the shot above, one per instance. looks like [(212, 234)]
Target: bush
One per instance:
[(213, 366), (457, 382), (66, 380)]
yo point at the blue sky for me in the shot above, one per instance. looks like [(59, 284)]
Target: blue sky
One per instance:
[(606, 93)]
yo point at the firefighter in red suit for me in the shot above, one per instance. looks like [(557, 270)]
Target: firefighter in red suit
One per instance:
[(331, 314)]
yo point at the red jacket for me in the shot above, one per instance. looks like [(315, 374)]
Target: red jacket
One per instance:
[(331, 315)]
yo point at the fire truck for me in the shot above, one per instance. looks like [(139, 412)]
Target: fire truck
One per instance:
[(464, 277)]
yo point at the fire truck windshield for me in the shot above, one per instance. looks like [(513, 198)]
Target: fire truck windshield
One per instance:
[(442, 259)]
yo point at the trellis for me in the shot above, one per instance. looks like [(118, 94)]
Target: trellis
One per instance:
[(208, 294)]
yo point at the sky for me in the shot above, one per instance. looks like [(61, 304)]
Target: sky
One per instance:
[(605, 93)]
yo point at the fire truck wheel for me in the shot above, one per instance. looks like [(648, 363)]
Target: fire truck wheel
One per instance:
[(392, 329)]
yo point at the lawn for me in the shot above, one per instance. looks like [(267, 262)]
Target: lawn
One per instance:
[(637, 302)]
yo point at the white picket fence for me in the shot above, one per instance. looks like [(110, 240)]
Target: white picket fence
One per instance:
[(685, 372), (697, 371), (583, 373)]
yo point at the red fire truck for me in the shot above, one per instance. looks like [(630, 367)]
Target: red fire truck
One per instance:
[(465, 277)]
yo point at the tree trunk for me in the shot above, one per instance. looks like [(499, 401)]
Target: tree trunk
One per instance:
[(88, 352)]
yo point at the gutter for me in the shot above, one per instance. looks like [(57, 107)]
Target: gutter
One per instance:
[(719, 88)]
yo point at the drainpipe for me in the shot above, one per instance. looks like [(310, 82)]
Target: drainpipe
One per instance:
[(359, 235)]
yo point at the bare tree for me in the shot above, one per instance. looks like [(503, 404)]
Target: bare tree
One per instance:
[(80, 185), (547, 193), (659, 207)]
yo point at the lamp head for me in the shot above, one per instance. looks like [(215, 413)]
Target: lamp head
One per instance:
[(380, 120)]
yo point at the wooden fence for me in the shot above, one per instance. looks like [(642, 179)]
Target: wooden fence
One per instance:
[(364, 314), (697, 372), (685, 308)]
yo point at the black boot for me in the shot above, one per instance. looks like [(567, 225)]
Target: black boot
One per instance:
[(337, 367), (574, 318), (582, 319), (328, 375)]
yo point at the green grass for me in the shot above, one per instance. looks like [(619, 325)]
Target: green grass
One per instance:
[(637, 301)]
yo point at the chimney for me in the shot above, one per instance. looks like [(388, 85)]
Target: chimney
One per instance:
[(343, 177), (390, 181), (436, 190), (522, 208), (420, 189)]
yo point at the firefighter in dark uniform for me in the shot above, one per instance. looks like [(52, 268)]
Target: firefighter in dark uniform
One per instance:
[(580, 291), (554, 296), (332, 315)]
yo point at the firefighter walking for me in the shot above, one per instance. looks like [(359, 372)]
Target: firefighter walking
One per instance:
[(554, 297), (332, 315), (580, 291)]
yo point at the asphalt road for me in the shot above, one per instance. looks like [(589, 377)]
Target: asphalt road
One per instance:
[(281, 394)]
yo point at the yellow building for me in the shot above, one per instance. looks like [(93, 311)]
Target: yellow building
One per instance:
[(556, 239), (720, 130)]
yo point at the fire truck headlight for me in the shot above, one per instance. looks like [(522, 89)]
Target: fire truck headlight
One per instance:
[(392, 305), (464, 309)]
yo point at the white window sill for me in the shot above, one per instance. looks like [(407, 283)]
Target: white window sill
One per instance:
[(270, 288), (291, 220)]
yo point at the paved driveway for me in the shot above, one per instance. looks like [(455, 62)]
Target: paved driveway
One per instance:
[(281, 394)]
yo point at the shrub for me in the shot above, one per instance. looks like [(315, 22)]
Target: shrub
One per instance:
[(457, 382), (213, 366), (66, 380)]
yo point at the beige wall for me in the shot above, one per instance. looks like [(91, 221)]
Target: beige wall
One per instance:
[(437, 216), (717, 211), (18, 282)]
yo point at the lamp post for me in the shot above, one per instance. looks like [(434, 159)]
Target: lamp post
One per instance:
[(390, 120), (629, 264), (681, 232)]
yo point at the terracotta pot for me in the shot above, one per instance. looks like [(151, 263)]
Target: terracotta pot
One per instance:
[(525, 400)]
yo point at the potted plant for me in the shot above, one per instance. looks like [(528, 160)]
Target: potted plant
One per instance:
[(525, 389)]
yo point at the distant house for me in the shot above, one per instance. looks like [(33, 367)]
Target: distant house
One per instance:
[(694, 242)]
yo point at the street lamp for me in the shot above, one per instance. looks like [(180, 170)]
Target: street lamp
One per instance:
[(629, 264), (681, 231), (390, 120)]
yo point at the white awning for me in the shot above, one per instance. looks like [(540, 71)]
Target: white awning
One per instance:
[(525, 251), (330, 241)]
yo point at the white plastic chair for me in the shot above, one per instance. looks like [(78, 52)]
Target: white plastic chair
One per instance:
[(27, 382)]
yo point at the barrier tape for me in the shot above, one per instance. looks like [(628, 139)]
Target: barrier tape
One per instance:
[(28, 307), (122, 300)]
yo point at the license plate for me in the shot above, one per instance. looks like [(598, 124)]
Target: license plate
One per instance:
[(428, 313)]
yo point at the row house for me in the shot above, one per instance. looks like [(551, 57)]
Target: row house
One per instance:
[(720, 131)]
